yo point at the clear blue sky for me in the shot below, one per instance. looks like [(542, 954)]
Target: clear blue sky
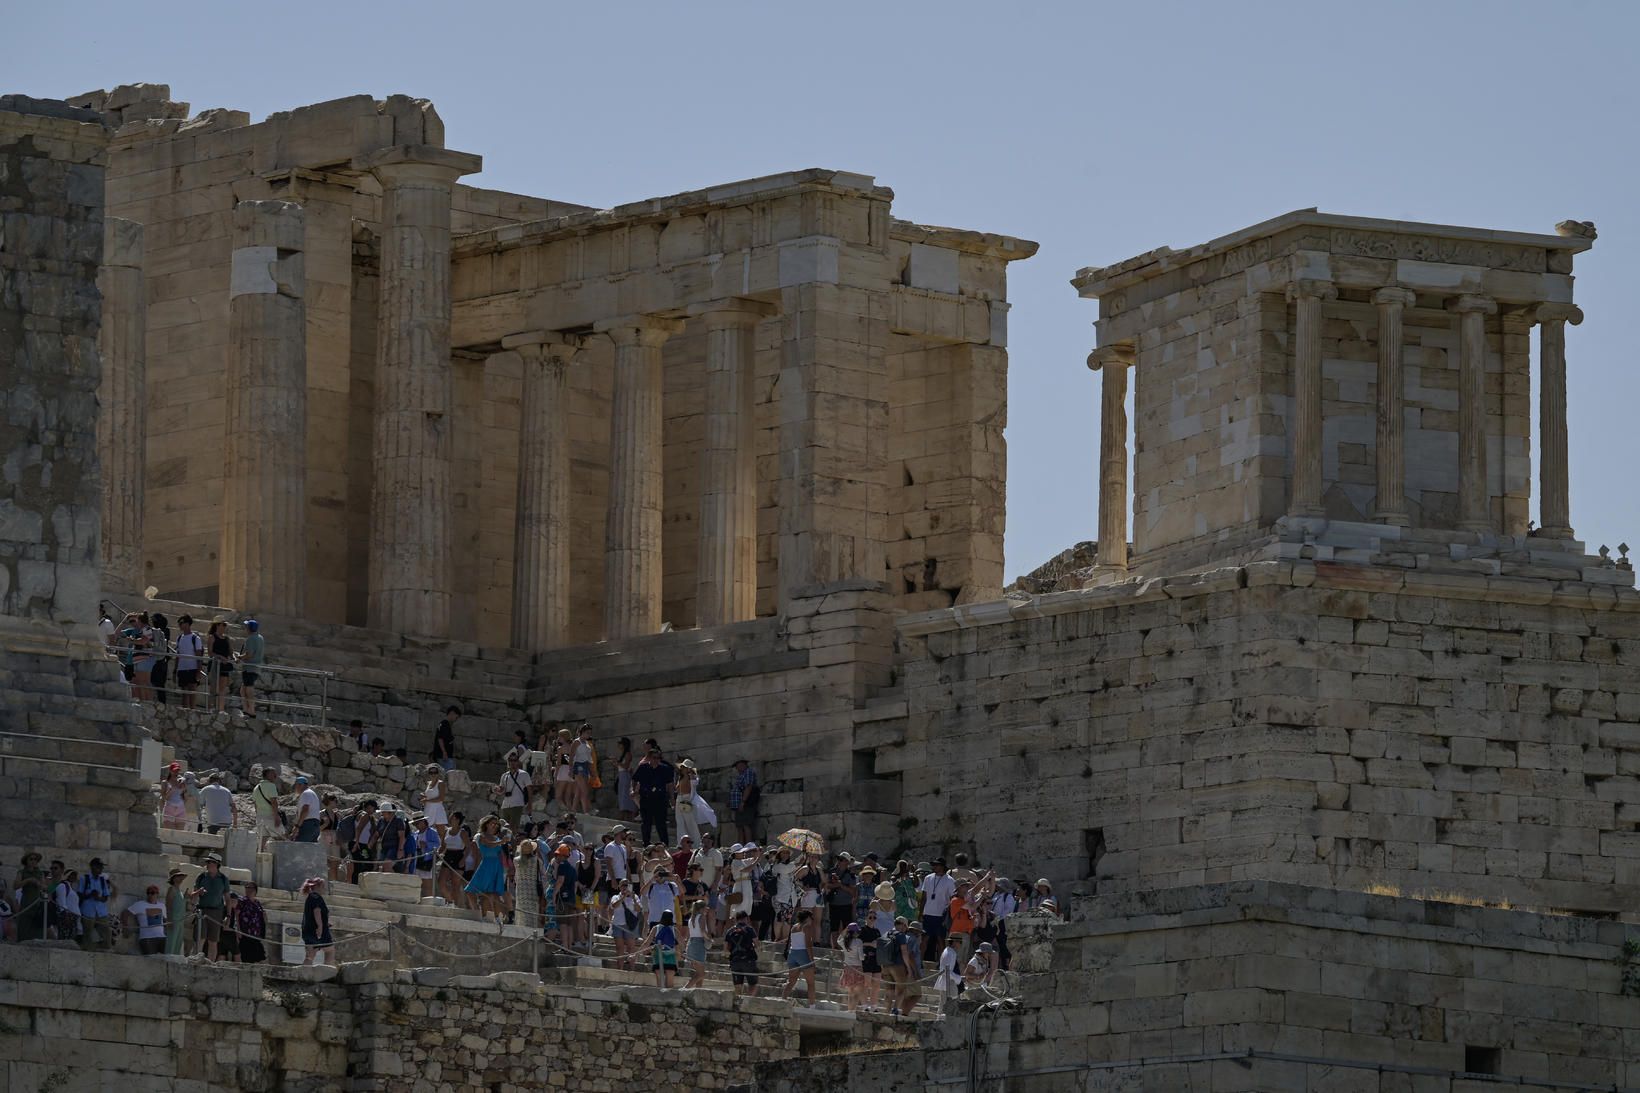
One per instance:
[(1099, 130)]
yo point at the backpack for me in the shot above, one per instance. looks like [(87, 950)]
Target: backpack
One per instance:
[(896, 948)]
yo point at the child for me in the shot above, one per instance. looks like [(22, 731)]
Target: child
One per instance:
[(854, 980)]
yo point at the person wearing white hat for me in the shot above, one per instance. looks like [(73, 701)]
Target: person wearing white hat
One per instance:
[(742, 863)]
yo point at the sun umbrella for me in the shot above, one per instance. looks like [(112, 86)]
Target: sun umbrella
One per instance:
[(804, 841)]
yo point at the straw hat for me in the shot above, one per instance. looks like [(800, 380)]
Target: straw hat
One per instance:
[(884, 890)]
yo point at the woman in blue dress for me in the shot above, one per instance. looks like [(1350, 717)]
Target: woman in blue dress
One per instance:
[(489, 881)]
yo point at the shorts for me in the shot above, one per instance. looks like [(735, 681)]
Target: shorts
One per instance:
[(144, 665), (247, 679), (799, 958), (744, 972), (695, 950), (308, 832), (210, 922), (581, 770), (453, 858), (618, 931), (666, 958), (187, 678), (150, 946)]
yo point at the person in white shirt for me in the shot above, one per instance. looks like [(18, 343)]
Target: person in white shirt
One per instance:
[(519, 749), (660, 895), (106, 628), (949, 980), (710, 860), (216, 802), (67, 900), (935, 894), (190, 655), (581, 760), (307, 812), (513, 789), (616, 857), (149, 916)]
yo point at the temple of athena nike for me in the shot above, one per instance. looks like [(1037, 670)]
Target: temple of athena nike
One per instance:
[(1329, 745)]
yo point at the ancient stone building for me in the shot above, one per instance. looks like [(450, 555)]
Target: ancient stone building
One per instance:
[(1336, 756)]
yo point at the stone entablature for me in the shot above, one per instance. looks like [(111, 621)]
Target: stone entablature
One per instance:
[(1320, 368)]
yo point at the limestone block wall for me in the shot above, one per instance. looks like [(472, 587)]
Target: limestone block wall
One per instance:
[(1327, 724), (1272, 987), (79, 1022)]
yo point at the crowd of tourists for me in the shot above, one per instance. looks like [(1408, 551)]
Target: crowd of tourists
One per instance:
[(192, 668)]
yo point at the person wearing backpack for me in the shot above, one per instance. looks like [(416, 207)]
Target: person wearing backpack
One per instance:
[(96, 891), (626, 918), (896, 967)]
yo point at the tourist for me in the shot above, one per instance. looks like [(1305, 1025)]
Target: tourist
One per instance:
[(654, 778), (660, 895), (663, 940), (527, 885), (228, 948), (308, 808), (625, 804), (681, 856), (135, 637), (911, 989), (626, 919), (565, 879), (563, 768), (159, 636), (896, 968), (366, 837), (810, 892), (221, 664), (148, 916), (949, 980), (455, 838), (429, 852), (744, 797), (710, 860), (935, 894), (740, 942), (742, 867), (190, 802), (216, 805), (176, 915), (519, 750), (96, 890), (106, 630), (690, 809), (841, 888), (513, 790), (1042, 899), (853, 948), (316, 938), (252, 654), (393, 840), (694, 925), (905, 890), (444, 739), (252, 925), (584, 769), (65, 903), (265, 801), (190, 655), (356, 733), (489, 881), (800, 957), (210, 895), (378, 748), (981, 968), (329, 821), (1003, 904), (173, 814), (871, 967), (432, 798)]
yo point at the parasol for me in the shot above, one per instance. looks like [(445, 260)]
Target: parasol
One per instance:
[(804, 841)]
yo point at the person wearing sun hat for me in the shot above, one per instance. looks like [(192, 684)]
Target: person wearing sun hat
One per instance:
[(211, 899), (252, 653), (176, 914)]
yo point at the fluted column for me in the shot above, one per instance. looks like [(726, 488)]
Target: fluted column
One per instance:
[(410, 505), (1308, 297), (540, 604), (1474, 498), (1554, 483), (122, 424), (263, 557), (1112, 362), (1392, 462), (632, 528), (726, 583)]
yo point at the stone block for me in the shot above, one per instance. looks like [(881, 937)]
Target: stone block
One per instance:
[(295, 862)]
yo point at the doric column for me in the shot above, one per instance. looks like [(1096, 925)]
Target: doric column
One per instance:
[(1554, 488), (726, 584), (632, 529), (410, 507), (1392, 463), (263, 557), (540, 604), (1113, 362), (122, 426), (1308, 296), (1474, 498)]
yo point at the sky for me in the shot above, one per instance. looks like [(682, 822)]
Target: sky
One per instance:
[(1099, 130)]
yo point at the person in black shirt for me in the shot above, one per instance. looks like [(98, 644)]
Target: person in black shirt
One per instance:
[(444, 739), (741, 942), (653, 780)]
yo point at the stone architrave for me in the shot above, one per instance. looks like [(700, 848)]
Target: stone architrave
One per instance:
[(1392, 474), (1308, 297), (1554, 489), (122, 427), (263, 556), (1474, 498), (1113, 362), (541, 558), (410, 583), (726, 585), (632, 529)]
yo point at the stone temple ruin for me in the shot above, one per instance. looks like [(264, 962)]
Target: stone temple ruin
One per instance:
[(1338, 754)]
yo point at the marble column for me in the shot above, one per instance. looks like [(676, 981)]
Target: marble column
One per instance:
[(1474, 496), (1392, 461), (410, 584), (632, 528), (1113, 362), (1554, 483), (1308, 296), (726, 583), (122, 425), (540, 601), (262, 562)]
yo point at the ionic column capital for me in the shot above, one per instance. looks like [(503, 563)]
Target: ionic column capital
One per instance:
[(1307, 289), (553, 344), (404, 163), (735, 311), (650, 331), (1122, 356), (1393, 296), (1558, 313), (1470, 304)]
